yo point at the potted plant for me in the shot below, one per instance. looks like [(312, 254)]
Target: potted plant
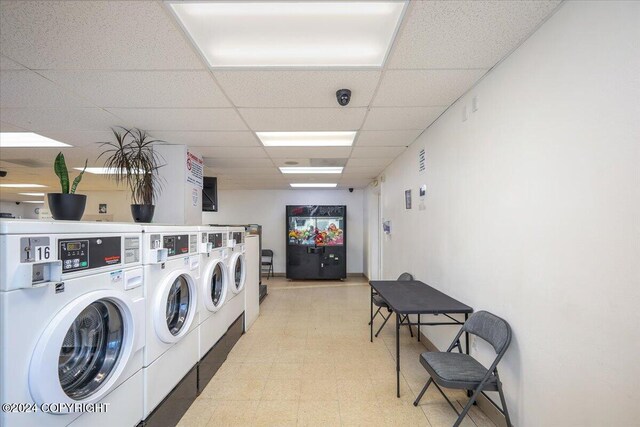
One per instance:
[(132, 161), (66, 205)]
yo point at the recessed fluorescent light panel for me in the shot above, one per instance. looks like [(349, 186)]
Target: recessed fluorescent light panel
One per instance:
[(32, 194), (27, 140), (291, 34), (33, 201), (313, 185), (306, 139), (311, 169), (22, 185)]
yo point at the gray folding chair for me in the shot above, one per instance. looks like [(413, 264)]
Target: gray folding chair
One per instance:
[(267, 261), (381, 303), (461, 371)]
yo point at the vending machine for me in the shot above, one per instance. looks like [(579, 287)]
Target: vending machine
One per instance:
[(316, 242)]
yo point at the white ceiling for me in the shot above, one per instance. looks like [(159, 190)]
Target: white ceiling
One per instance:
[(71, 70)]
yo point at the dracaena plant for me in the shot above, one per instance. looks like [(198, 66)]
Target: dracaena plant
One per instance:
[(131, 161), (60, 168)]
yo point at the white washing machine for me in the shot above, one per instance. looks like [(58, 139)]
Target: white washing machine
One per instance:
[(237, 265), (214, 285), (72, 315), (171, 262)]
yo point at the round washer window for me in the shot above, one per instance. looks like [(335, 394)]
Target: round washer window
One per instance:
[(237, 274), (177, 305), (216, 284), (91, 349)]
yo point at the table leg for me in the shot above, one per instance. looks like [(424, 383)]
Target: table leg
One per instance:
[(466, 347), (418, 327), (398, 354), (371, 316)]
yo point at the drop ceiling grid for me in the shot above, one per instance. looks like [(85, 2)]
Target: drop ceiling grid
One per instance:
[(387, 104)]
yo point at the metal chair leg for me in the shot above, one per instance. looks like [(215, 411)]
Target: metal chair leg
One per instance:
[(504, 404), (424, 389), (383, 323), (406, 317), (446, 398), (467, 407), (374, 316)]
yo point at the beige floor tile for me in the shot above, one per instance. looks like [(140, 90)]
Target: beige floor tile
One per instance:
[(357, 390), (282, 389), (235, 389), (316, 389), (307, 360), (319, 413), (276, 413), (355, 413), (285, 370), (233, 414), (199, 413)]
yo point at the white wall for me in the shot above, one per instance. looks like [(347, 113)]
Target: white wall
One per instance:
[(23, 210), (533, 213), (267, 208)]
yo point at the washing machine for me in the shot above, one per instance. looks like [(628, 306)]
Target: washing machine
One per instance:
[(171, 263), (72, 313), (235, 305), (214, 285)]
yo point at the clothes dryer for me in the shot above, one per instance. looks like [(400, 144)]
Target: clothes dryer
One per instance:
[(237, 274), (213, 287), (72, 323), (171, 273)]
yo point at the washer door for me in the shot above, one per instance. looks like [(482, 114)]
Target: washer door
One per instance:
[(84, 349), (175, 306), (215, 285), (238, 272)]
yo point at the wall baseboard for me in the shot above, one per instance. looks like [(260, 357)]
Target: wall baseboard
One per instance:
[(484, 404)]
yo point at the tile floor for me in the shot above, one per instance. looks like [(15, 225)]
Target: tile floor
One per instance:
[(307, 361)]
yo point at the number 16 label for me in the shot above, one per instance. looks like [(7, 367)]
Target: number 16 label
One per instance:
[(43, 253)]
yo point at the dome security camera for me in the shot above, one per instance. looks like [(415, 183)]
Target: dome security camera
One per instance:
[(351, 190), (3, 174), (343, 96)]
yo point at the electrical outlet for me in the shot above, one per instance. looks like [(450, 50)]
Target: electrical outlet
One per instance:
[(474, 104)]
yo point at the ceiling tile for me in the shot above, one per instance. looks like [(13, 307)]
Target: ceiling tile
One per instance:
[(308, 152), (28, 89), (373, 152), (209, 138), (363, 172), (380, 161), (212, 162), (388, 138), (289, 89), (243, 171), (424, 87), (397, 118), (6, 127), (9, 64), (94, 35), (188, 119), (49, 119), (232, 152), (303, 119), (465, 34), (140, 89), (308, 162), (354, 182)]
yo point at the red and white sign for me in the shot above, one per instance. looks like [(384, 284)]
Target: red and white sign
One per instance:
[(195, 169)]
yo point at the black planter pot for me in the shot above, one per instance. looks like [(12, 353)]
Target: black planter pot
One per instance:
[(142, 213), (69, 207)]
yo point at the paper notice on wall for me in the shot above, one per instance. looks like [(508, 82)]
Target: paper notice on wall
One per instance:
[(422, 159), (195, 169)]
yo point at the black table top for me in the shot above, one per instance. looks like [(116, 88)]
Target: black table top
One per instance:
[(415, 297)]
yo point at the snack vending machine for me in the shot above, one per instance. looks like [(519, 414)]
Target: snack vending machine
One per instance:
[(316, 242)]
